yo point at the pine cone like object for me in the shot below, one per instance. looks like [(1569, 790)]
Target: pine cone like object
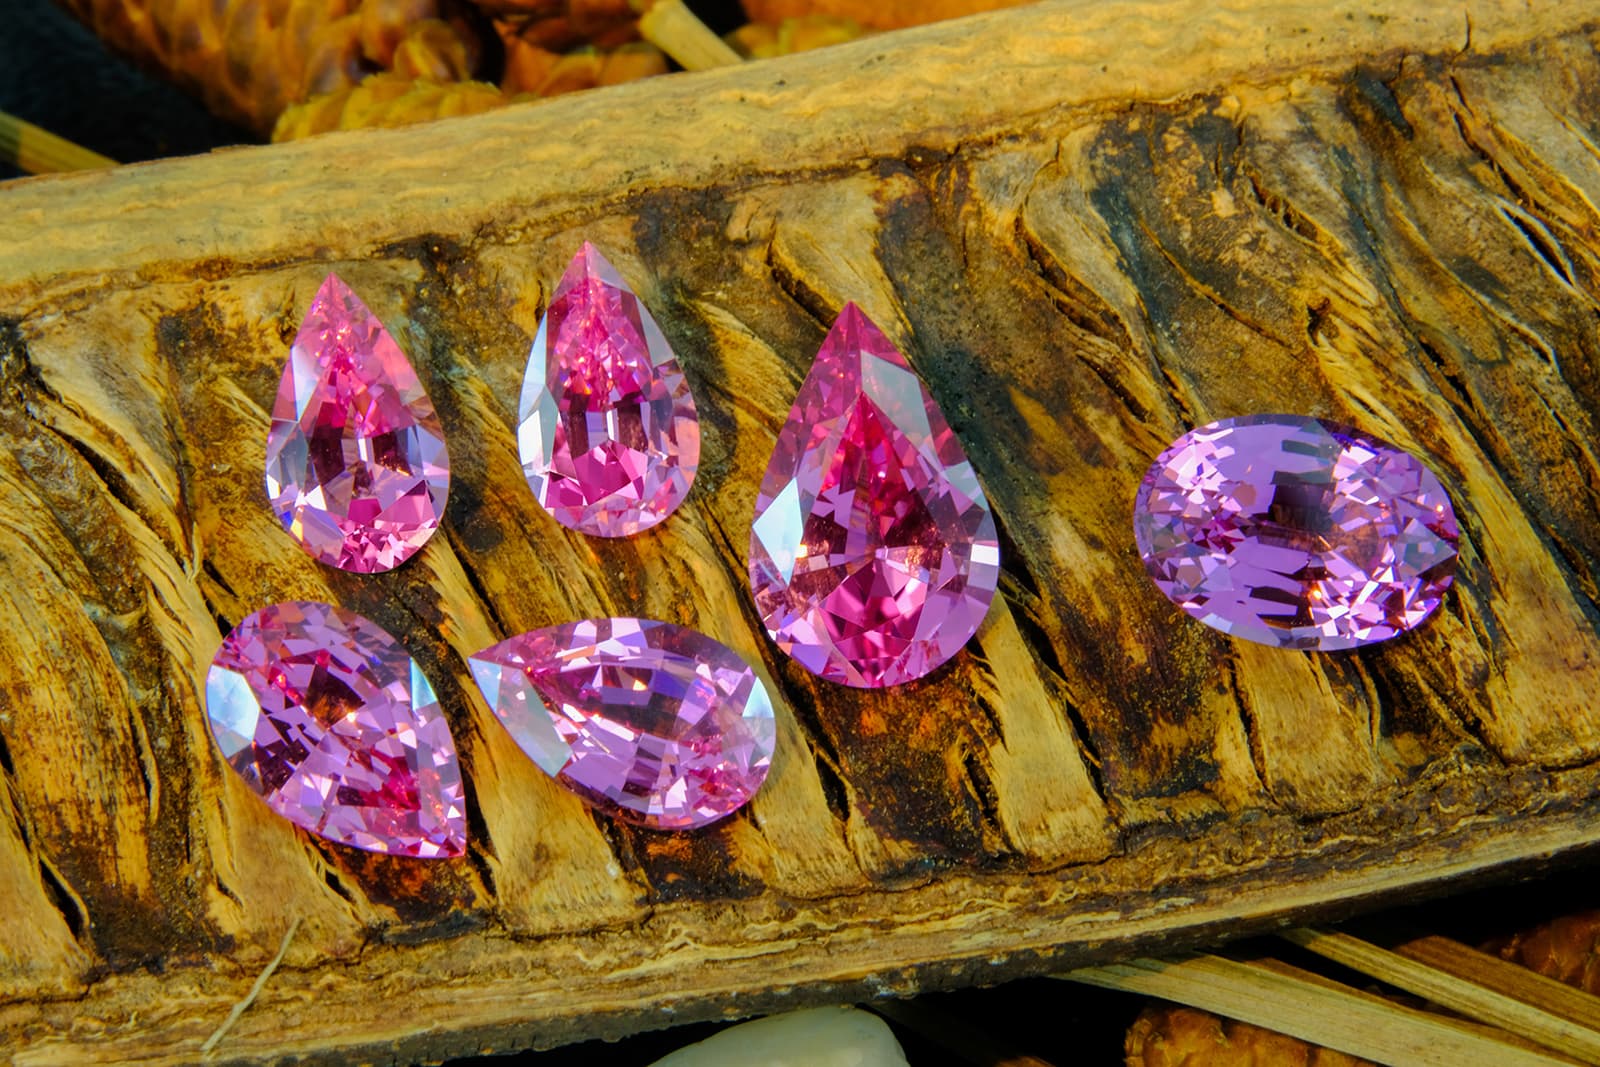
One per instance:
[(249, 59), (875, 14), (1166, 1035), (765, 40), (1566, 949), (531, 69), (385, 100)]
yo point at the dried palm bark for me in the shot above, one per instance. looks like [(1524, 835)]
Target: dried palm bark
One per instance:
[(1139, 226)]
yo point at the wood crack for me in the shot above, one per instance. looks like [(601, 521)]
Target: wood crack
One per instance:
[(68, 903), (792, 284), (1544, 243)]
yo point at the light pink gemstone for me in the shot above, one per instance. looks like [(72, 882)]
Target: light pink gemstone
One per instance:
[(326, 717), (357, 468), (873, 555), (654, 723), (1295, 532), (607, 427)]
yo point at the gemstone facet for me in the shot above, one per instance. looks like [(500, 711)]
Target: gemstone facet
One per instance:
[(607, 427), (651, 722), (357, 469), (1294, 532), (873, 555), (326, 717)]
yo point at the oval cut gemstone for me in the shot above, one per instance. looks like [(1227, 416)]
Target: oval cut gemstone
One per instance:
[(607, 427), (326, 717), (357, 469), (656, 724), (873, 555), (1294, 532)]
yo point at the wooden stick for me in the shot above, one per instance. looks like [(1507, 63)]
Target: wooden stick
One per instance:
[(674, 29), (256, 987), (1321, 1012), (1451, 991), (1514, 981), (38, 151)]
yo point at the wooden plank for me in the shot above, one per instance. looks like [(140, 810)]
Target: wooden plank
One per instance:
[(1134, 227)]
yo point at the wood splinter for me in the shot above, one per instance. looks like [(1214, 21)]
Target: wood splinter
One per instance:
[(256, 987)]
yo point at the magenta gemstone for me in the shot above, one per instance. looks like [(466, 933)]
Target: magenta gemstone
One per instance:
[(873, 555), (607, 428), (1295, 532), (653, 723), (357, 469), (326, 717)]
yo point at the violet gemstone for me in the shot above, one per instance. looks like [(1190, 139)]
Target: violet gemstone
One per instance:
[(1295, 532), (327, 718), (357, 469), (607, 428), (653, 723), (873, 554)]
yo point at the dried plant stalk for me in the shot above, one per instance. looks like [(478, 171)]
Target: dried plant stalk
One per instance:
[(674, 29), (1293, 1002), (1453, 992), (1512, 979), (38, 151)]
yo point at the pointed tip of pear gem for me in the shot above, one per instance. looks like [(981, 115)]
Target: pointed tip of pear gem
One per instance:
[(589, 263), (653, 723), (328, 719), (873, 553), (357, 469), (607, 429)]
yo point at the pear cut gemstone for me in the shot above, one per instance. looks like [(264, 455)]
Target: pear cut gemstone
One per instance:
[(873, 555), (357, 469), (327, 718), (654, 723), (1294, 532), (607, 427)]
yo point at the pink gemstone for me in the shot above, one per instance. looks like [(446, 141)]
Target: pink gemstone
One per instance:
[(607, 429), (654, 723), (873, 554), (326, 716), (357, 469), (1295, 532)]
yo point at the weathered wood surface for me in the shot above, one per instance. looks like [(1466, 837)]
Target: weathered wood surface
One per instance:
[(1091, 225)]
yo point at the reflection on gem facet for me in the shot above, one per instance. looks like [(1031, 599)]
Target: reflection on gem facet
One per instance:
[(607, 427), (873, 553), (653, 723), (1290, 531), (357, 469), (327, 718)]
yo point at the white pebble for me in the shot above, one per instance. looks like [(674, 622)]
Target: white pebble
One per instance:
[(821, 1037)]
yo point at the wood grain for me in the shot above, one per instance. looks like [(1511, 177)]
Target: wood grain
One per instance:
[(1131, 225)]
